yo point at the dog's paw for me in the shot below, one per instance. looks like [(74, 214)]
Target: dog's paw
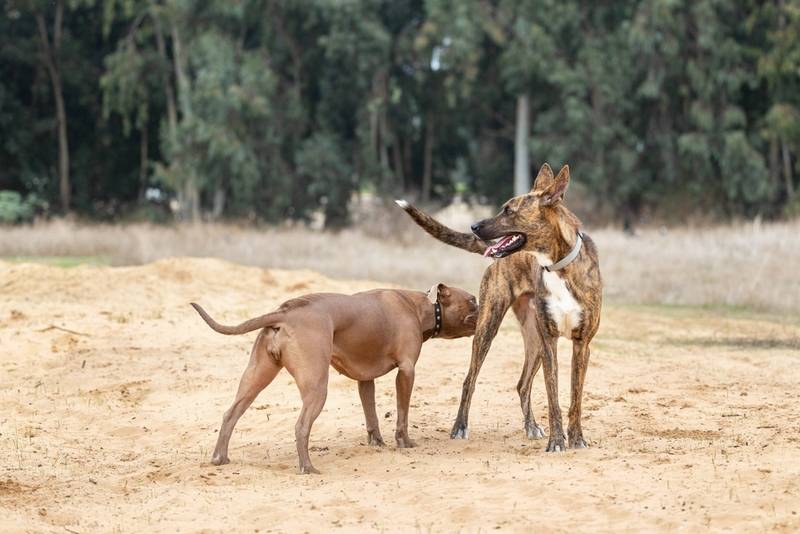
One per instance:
[(402, 203), (218, 459), (375, 440), (460, 431), (309, 470), (556, 445), (405, 443), (577, 443), (534, 431)]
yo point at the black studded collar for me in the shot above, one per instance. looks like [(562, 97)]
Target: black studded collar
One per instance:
[(437, 319)]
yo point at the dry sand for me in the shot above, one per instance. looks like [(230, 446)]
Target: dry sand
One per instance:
[(112, 390)]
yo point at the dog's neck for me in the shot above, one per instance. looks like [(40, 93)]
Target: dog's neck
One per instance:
[(436, 329), (427, 313), (432, 323), (557, 249)]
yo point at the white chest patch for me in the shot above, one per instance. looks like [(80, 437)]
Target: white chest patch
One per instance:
[(562, 307)]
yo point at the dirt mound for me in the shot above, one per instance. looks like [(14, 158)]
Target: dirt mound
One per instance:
[(112, 391)]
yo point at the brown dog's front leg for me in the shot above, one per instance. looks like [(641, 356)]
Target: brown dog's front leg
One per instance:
[(405, 384), (580, 361), (366, 390)]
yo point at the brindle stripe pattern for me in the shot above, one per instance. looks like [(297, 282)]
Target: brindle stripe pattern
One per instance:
[(441, 232)]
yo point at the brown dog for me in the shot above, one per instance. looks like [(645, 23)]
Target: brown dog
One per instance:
[(363, 336), (548, 272)]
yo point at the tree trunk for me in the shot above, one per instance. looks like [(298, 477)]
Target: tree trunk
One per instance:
[(408, 162), (383, 146), (522, 168), (172, 113), (774, 163), (63, 147), (787, 171), (144, 139), (51, 55), (190, 206), (428, 159), (219, 202), (397, 156)]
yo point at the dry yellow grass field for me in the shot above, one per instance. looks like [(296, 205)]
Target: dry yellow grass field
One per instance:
[(749, 265), (112, 390)]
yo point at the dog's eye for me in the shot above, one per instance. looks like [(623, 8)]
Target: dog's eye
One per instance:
[(506, 211)]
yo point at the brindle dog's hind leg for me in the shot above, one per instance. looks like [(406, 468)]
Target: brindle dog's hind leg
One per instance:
[(495, 299), (366, 390), (533, 360), (261, 370), (580, 360)]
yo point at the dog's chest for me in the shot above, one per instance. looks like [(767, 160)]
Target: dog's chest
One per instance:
[(562, 307)]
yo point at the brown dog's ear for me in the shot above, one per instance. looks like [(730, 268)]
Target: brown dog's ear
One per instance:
[(433, 293), (543, 180), (438, 292), (556, 191)]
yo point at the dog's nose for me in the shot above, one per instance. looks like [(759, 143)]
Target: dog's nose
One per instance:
[(477, 226)]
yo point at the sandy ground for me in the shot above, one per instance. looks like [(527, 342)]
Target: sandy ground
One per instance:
[(112, 390)]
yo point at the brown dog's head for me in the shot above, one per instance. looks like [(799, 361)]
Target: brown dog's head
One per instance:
[(532, 221), (459, 311)]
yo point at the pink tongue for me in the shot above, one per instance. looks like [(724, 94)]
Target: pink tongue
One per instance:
[(497, 246)]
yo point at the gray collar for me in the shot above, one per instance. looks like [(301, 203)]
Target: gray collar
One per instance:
[(569, 258)]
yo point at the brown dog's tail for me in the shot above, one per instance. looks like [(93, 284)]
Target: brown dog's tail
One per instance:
[(247, 326), (441, 232)]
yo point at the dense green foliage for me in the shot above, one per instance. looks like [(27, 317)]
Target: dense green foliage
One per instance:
[(270, 109)]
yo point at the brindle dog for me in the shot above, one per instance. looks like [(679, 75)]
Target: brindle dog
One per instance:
[(550, 297)]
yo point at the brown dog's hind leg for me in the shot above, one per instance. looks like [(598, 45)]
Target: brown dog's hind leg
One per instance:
[(405, 384), (313, 394), (366, 390), (260, 371), (580, 361)]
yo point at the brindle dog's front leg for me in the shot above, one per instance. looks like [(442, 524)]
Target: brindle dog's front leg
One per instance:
[(493, 307), (550, 366), (580, 361)]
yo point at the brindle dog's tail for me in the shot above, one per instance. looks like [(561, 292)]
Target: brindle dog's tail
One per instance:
[(247, 326), (441, 232)]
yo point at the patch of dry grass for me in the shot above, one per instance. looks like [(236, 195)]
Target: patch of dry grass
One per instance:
[(751, 265)]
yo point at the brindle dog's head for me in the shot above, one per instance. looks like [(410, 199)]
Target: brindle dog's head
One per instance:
[(530, 222), (459, 311)]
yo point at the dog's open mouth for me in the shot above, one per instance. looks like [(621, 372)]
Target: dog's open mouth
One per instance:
[(504, 245)]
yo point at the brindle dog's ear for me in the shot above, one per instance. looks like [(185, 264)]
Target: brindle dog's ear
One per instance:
[(438, 292), (543, 180), (556, 191)]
